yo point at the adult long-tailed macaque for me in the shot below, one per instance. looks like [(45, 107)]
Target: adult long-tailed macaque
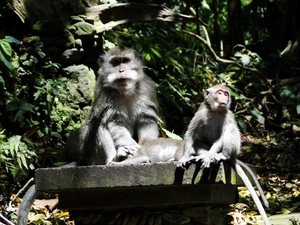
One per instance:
[(213, 136), (125, 111), (156, 150)]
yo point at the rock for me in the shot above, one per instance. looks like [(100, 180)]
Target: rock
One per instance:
[(84, 29), (71, 56), (81, 83)]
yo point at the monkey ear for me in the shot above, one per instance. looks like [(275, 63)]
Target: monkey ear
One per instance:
[(206, 92), (138, 56), (101, 59)]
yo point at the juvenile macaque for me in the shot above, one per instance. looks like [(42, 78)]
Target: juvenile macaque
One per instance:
[(156, 150), (213, 136), (125, 111)]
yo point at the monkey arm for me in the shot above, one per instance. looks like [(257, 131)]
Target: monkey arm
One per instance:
[(122, 139), (231, 140), (192, 139), (147, 129), (146, 119)]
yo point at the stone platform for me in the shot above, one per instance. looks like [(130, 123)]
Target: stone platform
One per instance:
[(160, 191)]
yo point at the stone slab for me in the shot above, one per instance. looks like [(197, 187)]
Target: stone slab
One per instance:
[(110, 199), (148, 174)]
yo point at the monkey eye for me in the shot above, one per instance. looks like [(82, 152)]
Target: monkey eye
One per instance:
[(115, 61), (118, 60), (125, 60), (226, 93)]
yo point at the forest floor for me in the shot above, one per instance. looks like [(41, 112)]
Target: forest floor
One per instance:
[(277, 164)]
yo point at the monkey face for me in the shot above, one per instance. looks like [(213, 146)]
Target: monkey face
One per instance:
[(122, 71), (222, 98), (218, 98)]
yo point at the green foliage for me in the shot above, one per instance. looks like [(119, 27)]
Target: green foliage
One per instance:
[(289, 98), (16, 156), (30, 91)]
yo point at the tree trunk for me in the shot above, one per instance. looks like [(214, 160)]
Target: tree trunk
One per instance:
[(235, 23), (290, 29)]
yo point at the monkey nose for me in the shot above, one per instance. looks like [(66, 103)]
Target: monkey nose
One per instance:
[(121, 71)]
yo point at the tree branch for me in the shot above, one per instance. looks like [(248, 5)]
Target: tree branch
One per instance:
[(107, 16), (226, 61)]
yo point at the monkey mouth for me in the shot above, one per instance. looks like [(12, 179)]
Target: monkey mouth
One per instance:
[(121, 81)]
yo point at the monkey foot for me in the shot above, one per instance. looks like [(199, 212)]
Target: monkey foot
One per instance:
[(185, 163), (205, 158), (127, 150)]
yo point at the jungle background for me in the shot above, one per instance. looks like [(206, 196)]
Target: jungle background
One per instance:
[(48, 65)]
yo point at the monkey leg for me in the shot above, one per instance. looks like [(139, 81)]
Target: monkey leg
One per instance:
[(133, 160)]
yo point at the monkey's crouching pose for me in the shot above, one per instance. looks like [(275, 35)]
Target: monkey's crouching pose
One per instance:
[(124, 112), (213, 136)]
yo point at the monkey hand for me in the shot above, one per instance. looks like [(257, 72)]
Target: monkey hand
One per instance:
[(125, 151), (218, 157), (185, 162), (207, 158)]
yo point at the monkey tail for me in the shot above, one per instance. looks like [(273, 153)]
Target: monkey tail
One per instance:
[(24, 208), (261, 192), (255, 198)]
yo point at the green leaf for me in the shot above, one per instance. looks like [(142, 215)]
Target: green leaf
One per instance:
[(171, 135), (13, 40), (19, 116), (287, 96), (5, 59), (242, 124), (41, 54), (2, 83), (57, 135), (23, 160), (25, 106), (156, 52), (31, 166), (6, 48), (256, 114), (148, 57), (37, 94), (285, 211), (13, 105)]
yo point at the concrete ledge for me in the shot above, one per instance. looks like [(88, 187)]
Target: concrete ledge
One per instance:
[(89, 177)]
